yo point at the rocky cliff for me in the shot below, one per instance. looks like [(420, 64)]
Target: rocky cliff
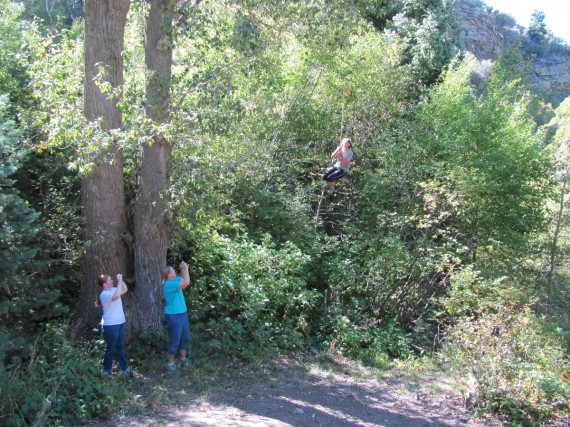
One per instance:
[(485, 32)]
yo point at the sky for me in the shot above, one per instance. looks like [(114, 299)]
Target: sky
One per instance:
[(556, 13)]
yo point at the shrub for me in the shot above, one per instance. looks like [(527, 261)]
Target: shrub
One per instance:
[(374, 344), (54, 382), (255, 297), (516, 359)]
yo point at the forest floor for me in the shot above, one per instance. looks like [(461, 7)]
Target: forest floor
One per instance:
[(300, 393)]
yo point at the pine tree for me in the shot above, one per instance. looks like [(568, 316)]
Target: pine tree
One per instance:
[(537, 30), (26, 296), (430, 33)]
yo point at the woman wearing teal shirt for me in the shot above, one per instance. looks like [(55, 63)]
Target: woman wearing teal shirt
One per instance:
[(176, 313)]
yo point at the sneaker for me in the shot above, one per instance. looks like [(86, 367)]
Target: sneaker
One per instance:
[(170, 367), (128, 372), (106, 374), (184, 362)]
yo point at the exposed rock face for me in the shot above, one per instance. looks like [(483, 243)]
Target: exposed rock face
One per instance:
[(486, 32), (553, 72)]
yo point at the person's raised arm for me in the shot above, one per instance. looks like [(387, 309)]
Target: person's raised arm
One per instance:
[(122, 284), (121, 288), (336, 152), (185, 275)]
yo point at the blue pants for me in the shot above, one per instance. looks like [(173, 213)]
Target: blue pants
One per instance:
[(178, 332), (115, 339), (334, 174)]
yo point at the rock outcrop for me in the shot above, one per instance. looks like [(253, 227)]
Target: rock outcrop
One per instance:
[(485, 32)]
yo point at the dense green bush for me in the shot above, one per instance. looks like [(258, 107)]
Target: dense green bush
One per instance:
[(374, 344), (53, 381), (254, 296)]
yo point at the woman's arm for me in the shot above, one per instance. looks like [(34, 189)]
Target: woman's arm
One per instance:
[(336, 152), (122, 284), (121, 288), (185, 275)]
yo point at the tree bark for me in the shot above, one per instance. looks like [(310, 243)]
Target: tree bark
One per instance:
[(102, 189), (152, 214), (561, 209)]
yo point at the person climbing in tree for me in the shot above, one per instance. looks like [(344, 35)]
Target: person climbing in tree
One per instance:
[(343, 155)]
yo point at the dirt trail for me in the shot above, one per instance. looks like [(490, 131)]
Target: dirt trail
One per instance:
[(290, 396)]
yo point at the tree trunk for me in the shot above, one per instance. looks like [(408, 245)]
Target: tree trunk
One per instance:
[(102, 190), (561, 208), (151, 217)]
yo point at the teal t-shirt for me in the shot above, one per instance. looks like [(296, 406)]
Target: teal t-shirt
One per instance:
[(174, 297)]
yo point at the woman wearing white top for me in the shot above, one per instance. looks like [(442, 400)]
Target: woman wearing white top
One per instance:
[(113, 323), (343, 155)]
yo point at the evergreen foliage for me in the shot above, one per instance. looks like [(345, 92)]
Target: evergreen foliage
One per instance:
[(537, 30), (430, 34), (26, 295)]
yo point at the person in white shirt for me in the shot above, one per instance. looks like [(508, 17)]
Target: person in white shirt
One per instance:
[(113, 323), (343, 155)]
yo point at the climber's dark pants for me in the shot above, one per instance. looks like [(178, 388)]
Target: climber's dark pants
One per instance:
[(334, 174)]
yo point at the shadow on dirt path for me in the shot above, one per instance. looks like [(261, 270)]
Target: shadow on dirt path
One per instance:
[(291, 396)]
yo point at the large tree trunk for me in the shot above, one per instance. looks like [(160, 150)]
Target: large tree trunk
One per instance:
[(151, 218), (102, 190)]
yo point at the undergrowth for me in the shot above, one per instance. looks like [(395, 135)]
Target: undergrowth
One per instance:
[(55, 382), (58, 382)]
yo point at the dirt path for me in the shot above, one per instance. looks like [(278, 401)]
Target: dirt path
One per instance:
[(291, 396), (338, 402)]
